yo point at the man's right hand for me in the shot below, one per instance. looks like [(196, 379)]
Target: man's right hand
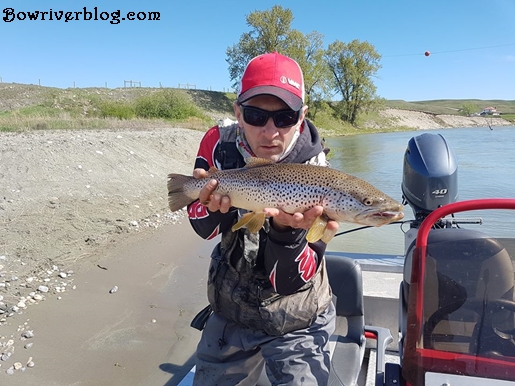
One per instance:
[(213, 201)]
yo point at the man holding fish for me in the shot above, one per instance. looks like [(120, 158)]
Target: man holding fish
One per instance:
[(263, 184)]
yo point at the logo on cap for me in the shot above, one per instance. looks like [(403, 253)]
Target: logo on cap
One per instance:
[(291, 82)]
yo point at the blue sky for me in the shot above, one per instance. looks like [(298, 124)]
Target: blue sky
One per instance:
[(472, 43)]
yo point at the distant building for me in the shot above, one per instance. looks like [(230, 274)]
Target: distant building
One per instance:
[(489, 111)]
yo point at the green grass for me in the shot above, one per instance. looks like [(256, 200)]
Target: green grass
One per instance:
[(509, 117)]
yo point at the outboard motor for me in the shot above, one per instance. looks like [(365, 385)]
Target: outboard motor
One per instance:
[(430, 174), (429, 180)]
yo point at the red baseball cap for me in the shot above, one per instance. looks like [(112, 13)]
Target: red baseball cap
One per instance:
[(273, 74)]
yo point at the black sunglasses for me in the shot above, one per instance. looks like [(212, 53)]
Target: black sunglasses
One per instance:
[(258, 117)]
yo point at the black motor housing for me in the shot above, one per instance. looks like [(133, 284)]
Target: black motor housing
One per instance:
[(430, 173)]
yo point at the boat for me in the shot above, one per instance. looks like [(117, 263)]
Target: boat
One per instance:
[(451, 317)]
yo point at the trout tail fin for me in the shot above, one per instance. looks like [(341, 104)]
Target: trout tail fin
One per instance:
[(177, 196)]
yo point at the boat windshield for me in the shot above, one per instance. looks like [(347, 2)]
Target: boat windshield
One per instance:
[(461, 308)]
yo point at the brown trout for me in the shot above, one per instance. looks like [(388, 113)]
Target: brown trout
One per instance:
[(292, 188)]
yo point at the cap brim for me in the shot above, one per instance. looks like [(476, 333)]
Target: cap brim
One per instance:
[(292, 100)]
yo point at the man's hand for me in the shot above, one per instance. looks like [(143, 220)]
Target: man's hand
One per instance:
[(282, 220), (213, 201)]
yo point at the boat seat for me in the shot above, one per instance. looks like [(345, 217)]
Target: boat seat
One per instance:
[(348, 348)]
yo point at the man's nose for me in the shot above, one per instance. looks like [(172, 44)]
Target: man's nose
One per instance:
[(270, 128)]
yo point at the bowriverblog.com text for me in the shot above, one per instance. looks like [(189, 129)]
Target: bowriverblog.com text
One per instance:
[(114, 17)]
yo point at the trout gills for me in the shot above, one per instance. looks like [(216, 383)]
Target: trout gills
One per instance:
[(293, 188)]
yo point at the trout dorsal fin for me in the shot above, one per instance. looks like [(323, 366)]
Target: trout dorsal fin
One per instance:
[(253, 162)]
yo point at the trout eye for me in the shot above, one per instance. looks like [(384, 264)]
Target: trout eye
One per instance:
[(367, 201)]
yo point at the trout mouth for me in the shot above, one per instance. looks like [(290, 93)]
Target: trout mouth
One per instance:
[(388, 217), (378, 218)]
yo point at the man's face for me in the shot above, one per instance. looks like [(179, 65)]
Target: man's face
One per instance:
[(268, 141)]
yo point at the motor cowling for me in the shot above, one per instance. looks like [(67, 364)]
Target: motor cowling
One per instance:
[(430, 173)]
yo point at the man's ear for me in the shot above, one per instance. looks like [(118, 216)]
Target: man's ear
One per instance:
[(304, 112), (237, 114)]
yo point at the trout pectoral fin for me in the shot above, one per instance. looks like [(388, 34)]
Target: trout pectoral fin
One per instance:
[(252, 221), (316, 232), (328, 235)]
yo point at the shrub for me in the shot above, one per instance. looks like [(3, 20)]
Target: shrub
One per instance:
[(116, 109), (167, 104)]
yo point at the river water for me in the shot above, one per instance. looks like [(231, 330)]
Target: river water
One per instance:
[(486, 169)]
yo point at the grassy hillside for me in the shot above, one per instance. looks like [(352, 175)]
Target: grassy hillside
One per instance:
[(25, 107), (29, 107)]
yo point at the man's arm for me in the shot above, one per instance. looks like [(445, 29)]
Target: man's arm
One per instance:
[(212, 219), (290, 260)]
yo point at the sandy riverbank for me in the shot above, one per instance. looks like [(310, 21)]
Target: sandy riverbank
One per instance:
[(70, 201)]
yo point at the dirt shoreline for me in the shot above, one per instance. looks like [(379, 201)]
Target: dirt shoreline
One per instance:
[(424, 121), (71, 202), (68, 199)]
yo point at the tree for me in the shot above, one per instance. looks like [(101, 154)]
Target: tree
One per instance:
[(468, 108), (271, 31), (309, 53), (352, 66)]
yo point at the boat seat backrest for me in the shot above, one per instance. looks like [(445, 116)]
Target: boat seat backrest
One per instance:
[(346, 282), (464, 264)]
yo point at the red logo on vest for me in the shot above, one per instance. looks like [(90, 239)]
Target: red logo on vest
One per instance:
[(307, 263), (197, 211)]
